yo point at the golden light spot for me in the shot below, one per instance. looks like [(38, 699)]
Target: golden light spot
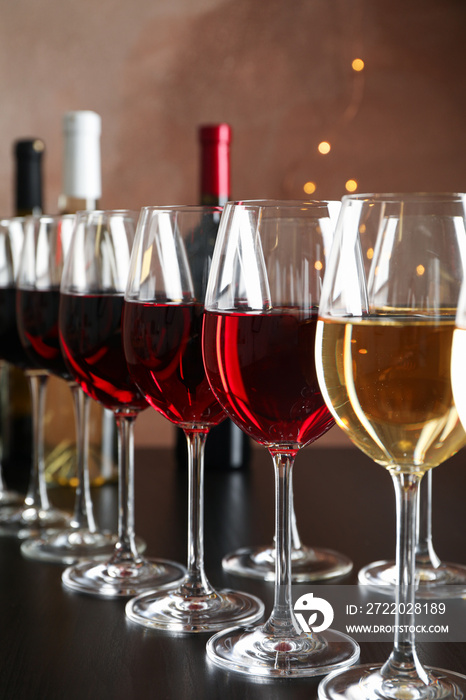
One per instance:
[(318, 265), (405, 445), (351, 185), (362, 351), (420, 269), (370, 253), (309, 187), (357, 64), (362, 228), (324, 147)]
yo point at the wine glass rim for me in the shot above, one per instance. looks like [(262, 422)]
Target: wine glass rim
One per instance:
[(5, 220), (181, 207), (281, 203), (49, 217), (105, 212), (394, 197)]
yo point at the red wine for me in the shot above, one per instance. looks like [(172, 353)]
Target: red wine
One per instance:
[(37, 318), (164, 355), (261, 367), (90, 334), (11, 348)]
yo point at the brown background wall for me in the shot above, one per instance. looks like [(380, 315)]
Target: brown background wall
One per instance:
[(278, 70)]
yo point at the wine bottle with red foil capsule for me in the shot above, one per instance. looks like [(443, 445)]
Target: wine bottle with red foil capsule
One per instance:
[(227, 447)]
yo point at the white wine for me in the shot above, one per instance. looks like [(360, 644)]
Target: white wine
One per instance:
[(388, 381), (458, 372)]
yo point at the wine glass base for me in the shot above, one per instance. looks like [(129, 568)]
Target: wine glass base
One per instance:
[(123, 581), (307, 564), (366, 683), (73, 545), (10, 498), (70, 546), (173, 612), (444, 581), (253, 652), (30, 521)]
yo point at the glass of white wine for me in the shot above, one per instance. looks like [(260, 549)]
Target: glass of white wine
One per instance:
[(383, 349), (458, 355)]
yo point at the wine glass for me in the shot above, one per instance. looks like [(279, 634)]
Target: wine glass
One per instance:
[(434, 577), (47, 241), (11, 351), (307, 563), (36, 513), (383, 347), (164, 310), (258, 346), (458, 370), (90, 318)]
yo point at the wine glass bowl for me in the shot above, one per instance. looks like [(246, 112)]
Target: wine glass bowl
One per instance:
[(383, 349), (164, 312), (11, 350), (43, 249), (258, 346), (458, 373), (90, 318), (37, 301)]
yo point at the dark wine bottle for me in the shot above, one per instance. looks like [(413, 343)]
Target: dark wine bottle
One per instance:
[(28, 176), (227, 447), (16, 421)]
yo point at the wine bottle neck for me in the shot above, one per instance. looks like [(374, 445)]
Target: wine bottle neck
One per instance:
[(215, 164), (82, 186), (28, 176), (70, 205)]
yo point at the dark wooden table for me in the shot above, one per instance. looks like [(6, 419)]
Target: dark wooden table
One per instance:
[(58, 645)]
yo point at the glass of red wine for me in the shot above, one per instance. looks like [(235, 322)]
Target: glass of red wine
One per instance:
[(307, 563), (90, 317), (46, 244), (258, 345), (164, 310), (11, 351), (36, 513)]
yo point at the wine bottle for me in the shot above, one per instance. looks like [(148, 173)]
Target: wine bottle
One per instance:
[(82, 179), (28, 176), (81, 190), (16, 421), (227, 447)]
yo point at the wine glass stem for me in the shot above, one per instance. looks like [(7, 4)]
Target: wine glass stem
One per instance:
[(425, 553), (403, 661), (195, 582), (125, 548), (295, 538), (83, 516), (282, 621), (3, 410), (37, 490)]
